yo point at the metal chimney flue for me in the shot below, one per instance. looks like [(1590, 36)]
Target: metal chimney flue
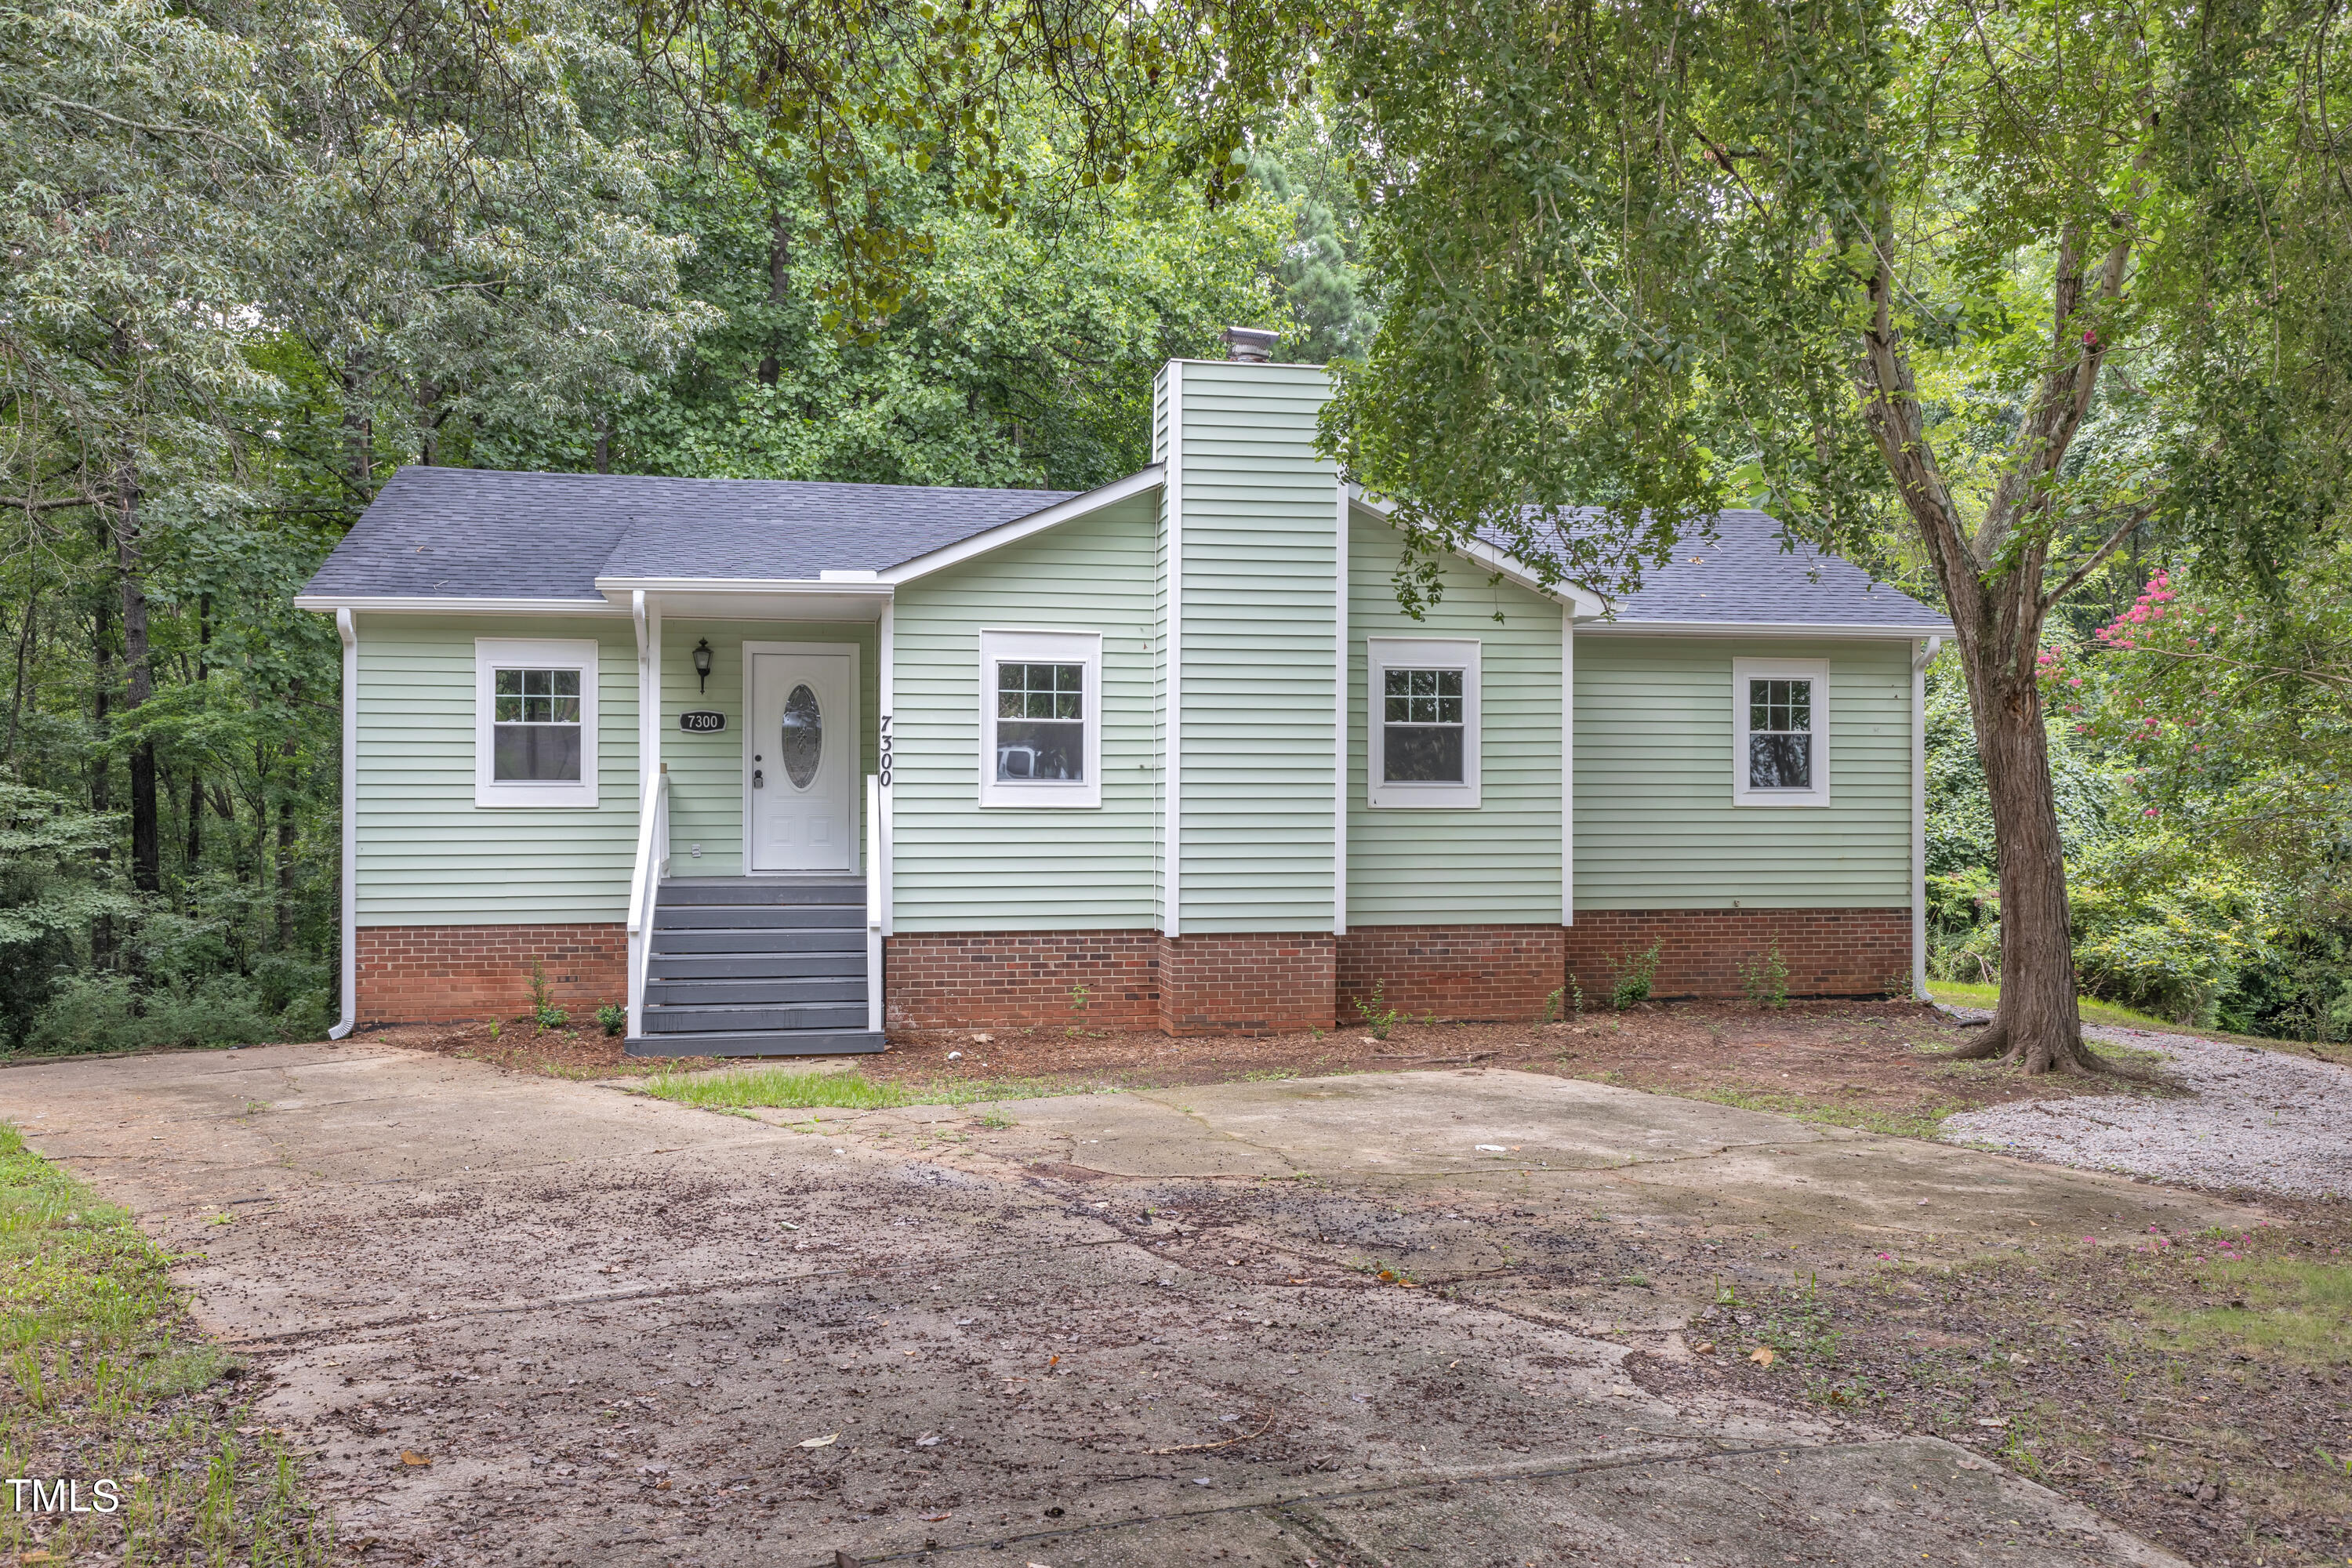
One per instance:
[(1249, 345)]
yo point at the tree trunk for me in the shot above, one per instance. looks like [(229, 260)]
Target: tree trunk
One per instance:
[(1992, 586), (146, 822), (195, 774), (101, 773), (286, 873), (2037, 1023), (359, 436), (24, 653), (780, 279)]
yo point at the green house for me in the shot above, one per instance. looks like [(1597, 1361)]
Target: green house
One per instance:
[(783, 765)]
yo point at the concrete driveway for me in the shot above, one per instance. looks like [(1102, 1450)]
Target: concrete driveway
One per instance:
[(1132, 1329)]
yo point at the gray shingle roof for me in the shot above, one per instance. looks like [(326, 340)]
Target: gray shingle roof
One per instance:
[(1743, 575), (487, 533)]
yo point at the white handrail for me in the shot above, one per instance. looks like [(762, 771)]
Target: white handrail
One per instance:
[(644, 886), (874, 903)]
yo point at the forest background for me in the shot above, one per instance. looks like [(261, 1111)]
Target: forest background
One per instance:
[(261, 256)]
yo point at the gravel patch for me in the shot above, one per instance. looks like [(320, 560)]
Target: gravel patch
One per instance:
[(2253, 1119)]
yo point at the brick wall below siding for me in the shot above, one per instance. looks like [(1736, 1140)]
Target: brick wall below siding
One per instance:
[(939, 980), (1249, 983), (410, 974), (1829, 952), (1502, 973)]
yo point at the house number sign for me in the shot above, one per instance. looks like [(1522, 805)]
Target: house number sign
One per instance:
[(702, 722)]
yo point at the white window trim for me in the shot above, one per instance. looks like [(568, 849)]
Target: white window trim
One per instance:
[(1040, 647), (490, 654), (1384, 654), (1816, 670)]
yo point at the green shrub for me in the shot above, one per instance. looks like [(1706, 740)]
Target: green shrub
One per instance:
[(1633, 974), (614, 1018), (1766, 979)]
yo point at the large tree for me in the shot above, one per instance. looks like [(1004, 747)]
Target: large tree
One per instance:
[(2036, 279)]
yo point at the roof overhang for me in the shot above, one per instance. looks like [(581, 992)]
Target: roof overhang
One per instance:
[(1141, 482), (1581, 602), (835, 596), (1846, 630), (456, 605)]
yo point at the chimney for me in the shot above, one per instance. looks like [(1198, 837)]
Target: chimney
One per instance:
[(1249, 345)]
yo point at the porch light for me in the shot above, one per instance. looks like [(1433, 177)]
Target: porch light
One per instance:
[(702, 663)]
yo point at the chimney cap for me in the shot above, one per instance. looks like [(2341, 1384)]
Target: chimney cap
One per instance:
[(1250, 345)]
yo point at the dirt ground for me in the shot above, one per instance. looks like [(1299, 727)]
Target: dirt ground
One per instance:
[(1428, 1317), (1857, 1064)]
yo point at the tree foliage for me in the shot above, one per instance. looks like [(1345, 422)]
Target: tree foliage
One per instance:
[(2038, 281)]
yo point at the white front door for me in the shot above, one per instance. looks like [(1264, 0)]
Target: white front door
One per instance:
[(801, 754)]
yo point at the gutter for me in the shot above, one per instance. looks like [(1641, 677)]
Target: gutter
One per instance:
[(1936, 630)]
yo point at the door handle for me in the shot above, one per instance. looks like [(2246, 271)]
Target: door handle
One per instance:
[(759, 779)]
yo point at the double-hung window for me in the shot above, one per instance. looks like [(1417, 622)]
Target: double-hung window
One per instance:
[(1780, 749), (1041, 718), (1422, 735), (534, 722)]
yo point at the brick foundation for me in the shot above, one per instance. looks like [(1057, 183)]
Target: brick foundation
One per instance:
[(1492, 972), (1020, 979), (1246, 983), (1829, 952), (418, 974)]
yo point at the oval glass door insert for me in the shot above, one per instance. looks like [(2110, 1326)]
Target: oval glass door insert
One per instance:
[(803, 737)]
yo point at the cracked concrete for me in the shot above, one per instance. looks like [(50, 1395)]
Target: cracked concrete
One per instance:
[(1139, 1327)]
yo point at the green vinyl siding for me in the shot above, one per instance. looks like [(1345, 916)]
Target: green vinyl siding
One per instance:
[(1655, 828), (1498, 863), (958, 867), (427, 854), (1259, 583), (706, 772)]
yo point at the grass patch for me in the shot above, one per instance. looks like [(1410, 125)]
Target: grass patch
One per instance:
[(107, 1380), (1921, 1122), (2289, 1309), (783, 1088), (774, 1088)]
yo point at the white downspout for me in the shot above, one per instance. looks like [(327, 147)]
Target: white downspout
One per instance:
[(1342, 603), (1568, 764), (1919, 662), (347, 629)]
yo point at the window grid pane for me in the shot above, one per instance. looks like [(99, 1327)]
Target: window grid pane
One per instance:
[(1423, 714), (535, 718), (1041, 691), (1779, 734), (1041, 732)]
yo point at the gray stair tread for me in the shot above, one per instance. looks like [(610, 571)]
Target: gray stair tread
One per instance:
[(738, 890), (819, 939), (758, 1043), (672, 1020), (842, 963), (758, 917), (716, 992)]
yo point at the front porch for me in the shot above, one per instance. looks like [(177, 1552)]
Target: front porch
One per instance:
[(755, 901)]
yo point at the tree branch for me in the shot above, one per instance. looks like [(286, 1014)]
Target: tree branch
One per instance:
[(2107, 547)]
